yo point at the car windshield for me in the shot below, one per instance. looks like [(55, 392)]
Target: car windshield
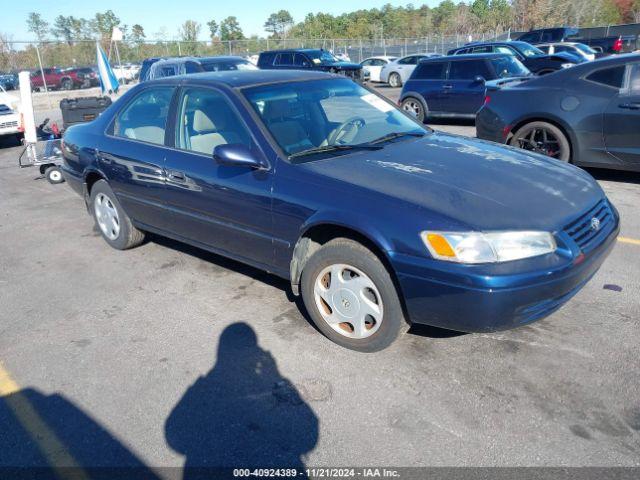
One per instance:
[(584, 48), (509, 67), (323, 56), (328, 117), (530, 51), (226, 65)]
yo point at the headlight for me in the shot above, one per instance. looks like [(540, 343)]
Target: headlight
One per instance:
[(566, 65), (490, 247)]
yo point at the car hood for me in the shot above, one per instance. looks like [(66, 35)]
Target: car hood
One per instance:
[(477, 184)]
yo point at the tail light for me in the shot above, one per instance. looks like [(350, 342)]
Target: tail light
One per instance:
[(617, 45), (21, 126), (487, 99)]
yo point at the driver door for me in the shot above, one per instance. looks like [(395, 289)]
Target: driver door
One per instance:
[(622, 120)]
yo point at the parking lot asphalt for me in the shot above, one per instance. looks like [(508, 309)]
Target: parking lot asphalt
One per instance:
[(137, 358)]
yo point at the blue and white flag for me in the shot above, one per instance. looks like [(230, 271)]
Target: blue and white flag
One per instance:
[(108, 81)]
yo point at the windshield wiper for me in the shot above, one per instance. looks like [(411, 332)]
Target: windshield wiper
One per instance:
[(394, 135), (334, 148)]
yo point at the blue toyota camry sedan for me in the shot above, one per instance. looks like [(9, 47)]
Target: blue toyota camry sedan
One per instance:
[(377, 221)]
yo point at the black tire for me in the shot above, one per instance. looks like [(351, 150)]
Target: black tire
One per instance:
[(564, 146), (54, 175), (395, 80), (342, 251), (415, 107), (66, 84), (128, 235)]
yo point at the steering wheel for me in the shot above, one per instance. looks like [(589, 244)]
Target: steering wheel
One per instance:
[(346, 131)]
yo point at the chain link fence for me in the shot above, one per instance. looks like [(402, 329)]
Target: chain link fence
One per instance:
[(16, 56)]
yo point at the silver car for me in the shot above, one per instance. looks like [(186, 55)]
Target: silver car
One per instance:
[(578, 49), (397, 72)]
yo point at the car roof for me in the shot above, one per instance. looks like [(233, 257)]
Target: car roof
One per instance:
[(221, 58), (286, 50), (467, 56), (246, 78)]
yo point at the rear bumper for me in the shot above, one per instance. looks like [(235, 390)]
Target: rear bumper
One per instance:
[(478, 299), (489, 126)]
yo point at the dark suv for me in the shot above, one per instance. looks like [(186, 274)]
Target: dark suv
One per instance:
[(456, 86), (308, 59), (533, 58)]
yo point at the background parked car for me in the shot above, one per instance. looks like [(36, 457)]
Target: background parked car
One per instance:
[(88, 76), (397, 72), (56, 78), (127, 72), (9, 81), (532, 57), (588, 115), (308, 59), (9, 115), (171, 67), (574, 48), (608, 44), (455, 86), (225, 63), (372, 66)]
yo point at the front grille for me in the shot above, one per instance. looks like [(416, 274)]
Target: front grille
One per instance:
[(591, 228), (9, 124)]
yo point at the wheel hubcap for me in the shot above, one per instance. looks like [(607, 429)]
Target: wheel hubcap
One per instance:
[(412, 107), (541, 140), (348, 301), (55, 176), (107, 216)]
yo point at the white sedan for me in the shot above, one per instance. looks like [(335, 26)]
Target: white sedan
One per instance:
[(372, 66), (10, 123), (397, 72)]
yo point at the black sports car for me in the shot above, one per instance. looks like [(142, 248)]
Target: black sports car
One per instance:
[(588, 115), (532, 57)]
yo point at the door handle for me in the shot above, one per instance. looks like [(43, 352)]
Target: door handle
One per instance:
[(447, 87), (630, 106), (176, 176)]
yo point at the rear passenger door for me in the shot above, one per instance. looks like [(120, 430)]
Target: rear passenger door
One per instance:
[(223, 208), (428, 80), (465, 93), (132, 154)]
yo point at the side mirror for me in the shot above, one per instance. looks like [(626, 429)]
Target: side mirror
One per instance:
[(479, 79), (236, 155)]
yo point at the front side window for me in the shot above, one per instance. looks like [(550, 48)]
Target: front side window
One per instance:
[(300, 60), (610, 77), (145, 118), (307, 116), (507, 50), (206, 120), (322, 56), (530, 51), (530, 37), (506, 67), (285, 59), (469, 70), (483, 49), (408, 61)]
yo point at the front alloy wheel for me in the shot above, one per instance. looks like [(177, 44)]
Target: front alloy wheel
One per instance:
[(414, 107), (394, 80), (544, 138)]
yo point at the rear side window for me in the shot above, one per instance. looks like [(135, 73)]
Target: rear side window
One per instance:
[(468, 70), (430, 71), (482, 49), (300, 60), (145, 118), (266, 58), (408, 61), (285, 59), (610, 77)]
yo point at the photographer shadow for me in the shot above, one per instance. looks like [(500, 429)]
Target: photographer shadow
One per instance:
[(242, 414)]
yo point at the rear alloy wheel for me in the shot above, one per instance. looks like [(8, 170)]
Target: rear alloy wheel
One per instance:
[(66, 84), (395, 80), (351, 297), (544, 138), (114, 224), (414, 107)]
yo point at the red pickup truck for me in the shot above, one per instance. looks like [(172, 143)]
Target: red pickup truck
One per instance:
[(56, 79)]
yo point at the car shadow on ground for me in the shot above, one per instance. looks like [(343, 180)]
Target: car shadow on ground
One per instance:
[(47, 436), (242, 414), (276, 282)]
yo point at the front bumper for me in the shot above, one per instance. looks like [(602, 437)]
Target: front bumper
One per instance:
[(484, 298), (9, 125)]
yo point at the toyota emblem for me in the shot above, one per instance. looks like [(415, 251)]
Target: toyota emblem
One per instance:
[(595, 224)]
